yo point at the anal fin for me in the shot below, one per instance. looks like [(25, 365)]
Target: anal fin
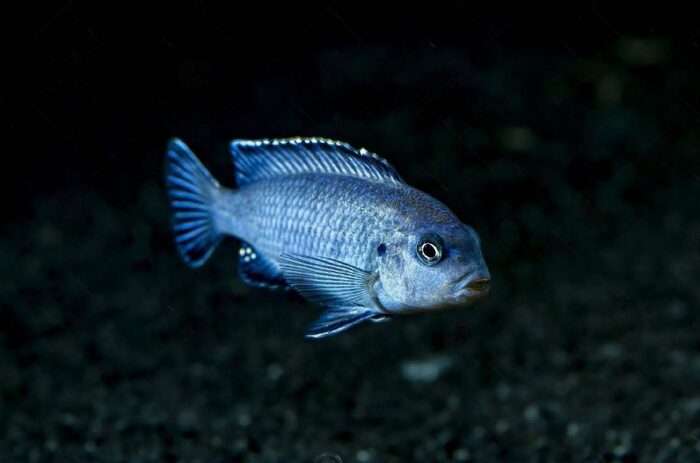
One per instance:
[(256, 269)]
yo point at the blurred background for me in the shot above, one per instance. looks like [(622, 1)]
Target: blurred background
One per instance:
[(568, 138)]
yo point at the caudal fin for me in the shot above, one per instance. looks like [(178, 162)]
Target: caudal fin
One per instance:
[(192, 191)]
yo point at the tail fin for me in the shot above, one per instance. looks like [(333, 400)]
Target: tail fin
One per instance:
[(192, 191)]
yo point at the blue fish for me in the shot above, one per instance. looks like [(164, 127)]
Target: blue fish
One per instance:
[(337, 224)]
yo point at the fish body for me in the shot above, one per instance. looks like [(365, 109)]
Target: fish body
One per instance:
[(339, 217), (336, 224)]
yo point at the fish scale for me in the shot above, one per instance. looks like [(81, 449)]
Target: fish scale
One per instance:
[(288, 222)]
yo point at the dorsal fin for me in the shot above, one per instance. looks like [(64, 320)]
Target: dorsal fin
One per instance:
[(261, 159)]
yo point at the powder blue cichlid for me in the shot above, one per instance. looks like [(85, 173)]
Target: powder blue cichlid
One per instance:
[(336, 224)]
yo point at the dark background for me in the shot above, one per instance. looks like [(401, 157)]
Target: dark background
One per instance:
[(567, 137)]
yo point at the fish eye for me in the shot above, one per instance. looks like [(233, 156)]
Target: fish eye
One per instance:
[(429, 250), (381, 249)]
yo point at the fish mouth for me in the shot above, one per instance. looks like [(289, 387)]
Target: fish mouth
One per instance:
[(473, 285)]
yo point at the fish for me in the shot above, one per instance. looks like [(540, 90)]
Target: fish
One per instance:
[(336, 224)]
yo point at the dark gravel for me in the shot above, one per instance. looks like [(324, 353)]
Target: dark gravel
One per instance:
[(578, 162)]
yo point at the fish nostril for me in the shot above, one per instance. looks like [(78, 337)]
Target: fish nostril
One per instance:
[(479, 285)]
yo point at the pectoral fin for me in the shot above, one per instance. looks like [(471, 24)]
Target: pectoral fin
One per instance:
[(328, 281), (337, 319)]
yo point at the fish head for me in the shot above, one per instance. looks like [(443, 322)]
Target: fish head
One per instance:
[(430, 268)]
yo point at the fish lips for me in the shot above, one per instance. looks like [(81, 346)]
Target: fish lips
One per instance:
[(472, 286)]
